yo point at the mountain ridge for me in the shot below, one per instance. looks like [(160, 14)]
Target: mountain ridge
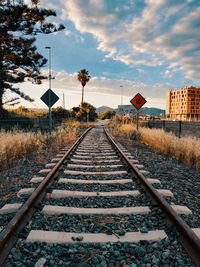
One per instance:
[(148, 111)]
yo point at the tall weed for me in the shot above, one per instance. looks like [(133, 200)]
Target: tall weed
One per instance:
[(17, 144), (185, 149), (130, 131)]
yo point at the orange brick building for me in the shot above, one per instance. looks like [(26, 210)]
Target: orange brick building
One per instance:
[(183, 104)]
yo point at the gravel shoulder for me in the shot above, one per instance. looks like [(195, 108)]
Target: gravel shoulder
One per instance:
[(19, 176), (184, 182)]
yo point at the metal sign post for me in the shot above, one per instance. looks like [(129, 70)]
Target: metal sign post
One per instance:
[(49, 98), (137, 119), (138, 101), (50, 117)]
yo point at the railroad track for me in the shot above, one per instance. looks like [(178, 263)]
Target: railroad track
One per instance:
[(93, 203)]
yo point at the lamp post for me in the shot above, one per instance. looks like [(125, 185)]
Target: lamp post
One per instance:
[(50, 118)]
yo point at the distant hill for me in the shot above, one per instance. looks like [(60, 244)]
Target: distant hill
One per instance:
[(146, 111), (152, 111), (103, 108)]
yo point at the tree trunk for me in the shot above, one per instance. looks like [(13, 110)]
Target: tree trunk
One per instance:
[(3, 112), (1, 82), (1, 98), (82, 95)]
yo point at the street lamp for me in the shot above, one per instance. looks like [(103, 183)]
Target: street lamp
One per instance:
[(50, 118)]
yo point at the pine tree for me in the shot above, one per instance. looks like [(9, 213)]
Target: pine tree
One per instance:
[(19, 59)]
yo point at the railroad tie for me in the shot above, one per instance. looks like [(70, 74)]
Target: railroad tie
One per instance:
[(53, 210), (72, 172), (69, 193), (74, 166), (67, 237), (81, 181)]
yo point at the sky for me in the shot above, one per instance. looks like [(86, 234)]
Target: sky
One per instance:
[(128, 47)]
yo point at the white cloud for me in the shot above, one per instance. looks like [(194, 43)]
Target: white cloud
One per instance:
[(140, 70), (45, 4), (99, 91), (106, 73), (168, 74), (164, 32), (77, 37), (67, 32), (91, 17), (27, 2), (104, 85), (181, 45)]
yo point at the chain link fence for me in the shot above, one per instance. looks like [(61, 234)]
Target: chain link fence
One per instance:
[(28, 124), (179, 128)]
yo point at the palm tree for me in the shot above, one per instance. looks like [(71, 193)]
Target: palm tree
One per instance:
[(83, 77)]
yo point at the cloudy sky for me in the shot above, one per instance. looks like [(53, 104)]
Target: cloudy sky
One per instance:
[(146, 46)]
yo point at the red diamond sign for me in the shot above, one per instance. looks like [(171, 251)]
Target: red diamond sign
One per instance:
[(138, 101)]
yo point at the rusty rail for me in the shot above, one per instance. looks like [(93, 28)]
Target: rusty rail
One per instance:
[(190, 240), (23, 215)]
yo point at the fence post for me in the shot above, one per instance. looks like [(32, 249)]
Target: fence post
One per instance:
[(179, 129), (40, 123), (153, 124), (164, 125)]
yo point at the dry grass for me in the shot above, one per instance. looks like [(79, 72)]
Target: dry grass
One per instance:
[(185, 149), (15, 145), (128, 129)]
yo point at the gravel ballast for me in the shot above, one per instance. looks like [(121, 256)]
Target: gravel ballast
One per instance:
[(184, 182), (163, 253), (166, 253)]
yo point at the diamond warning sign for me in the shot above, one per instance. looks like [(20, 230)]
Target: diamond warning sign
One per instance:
[(49, 98), (138, 101)]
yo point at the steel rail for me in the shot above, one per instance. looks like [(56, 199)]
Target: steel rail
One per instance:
[(23, 215), (189, 239)]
